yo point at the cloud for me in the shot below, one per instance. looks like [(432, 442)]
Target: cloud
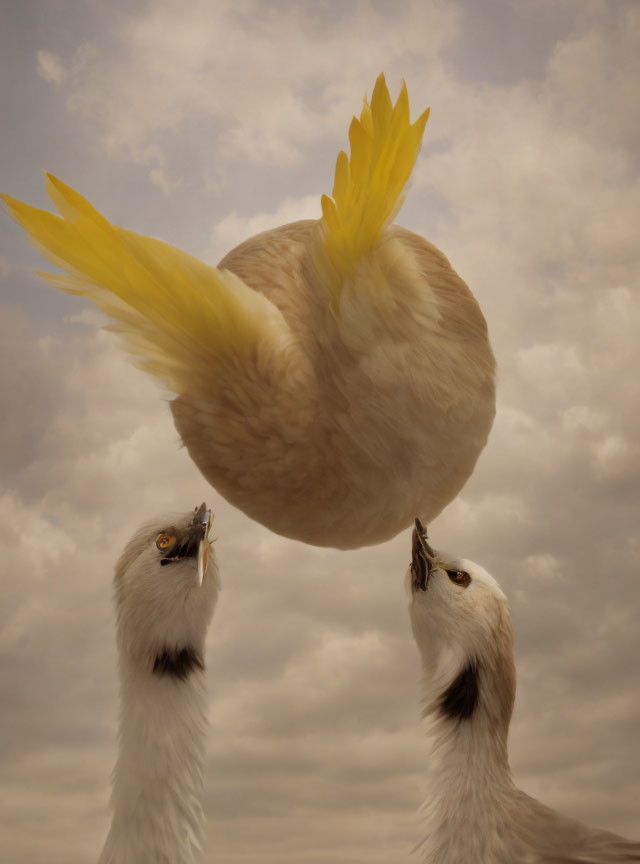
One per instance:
[(159, 179), (222, 64), (233, 229), (530, 186), (50, 67)]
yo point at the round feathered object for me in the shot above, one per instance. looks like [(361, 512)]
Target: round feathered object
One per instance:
[(333, 378)]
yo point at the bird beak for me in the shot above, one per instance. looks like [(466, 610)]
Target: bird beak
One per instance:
[(422, 558), (202, 521), (194, 542)]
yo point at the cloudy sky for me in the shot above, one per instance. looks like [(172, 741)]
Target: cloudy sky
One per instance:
[(202, 123)]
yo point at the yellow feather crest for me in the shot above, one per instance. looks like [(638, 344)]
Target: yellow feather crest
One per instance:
[(367, 191), (178, 314)]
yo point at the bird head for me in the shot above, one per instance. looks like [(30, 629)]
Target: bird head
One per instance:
[(461, 623), (166, 587)]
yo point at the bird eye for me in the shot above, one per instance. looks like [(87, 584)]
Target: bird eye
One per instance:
[(460, 577), (165, 541)]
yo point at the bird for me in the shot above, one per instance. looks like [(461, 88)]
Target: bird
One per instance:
[(330, 377), (461, 623), (166, 586)]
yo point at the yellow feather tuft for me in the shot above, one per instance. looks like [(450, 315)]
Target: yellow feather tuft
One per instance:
[(367, 190), (178, 314)]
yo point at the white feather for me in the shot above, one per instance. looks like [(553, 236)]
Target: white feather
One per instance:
[(473, 812), (157, 782)]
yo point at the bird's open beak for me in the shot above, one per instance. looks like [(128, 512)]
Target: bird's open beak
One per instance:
[(422, 558)]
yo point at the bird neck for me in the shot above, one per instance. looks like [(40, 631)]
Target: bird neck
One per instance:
[(157, 782), (468, 777)]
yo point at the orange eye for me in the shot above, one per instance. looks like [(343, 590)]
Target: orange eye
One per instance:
[(165, 541)]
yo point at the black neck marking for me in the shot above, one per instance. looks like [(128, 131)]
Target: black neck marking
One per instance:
[(459, 700), (177, 663)]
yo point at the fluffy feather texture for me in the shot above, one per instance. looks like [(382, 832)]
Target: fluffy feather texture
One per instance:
[(473, 811), (332, 377), (162, 618), (367, 190)]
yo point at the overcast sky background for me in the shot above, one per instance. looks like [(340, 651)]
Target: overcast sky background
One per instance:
[(202, 123)]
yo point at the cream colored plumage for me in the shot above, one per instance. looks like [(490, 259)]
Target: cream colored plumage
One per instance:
[(332, 377), (166, 588), (473, 811)]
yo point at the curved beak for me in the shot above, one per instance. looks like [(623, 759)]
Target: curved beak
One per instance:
[(201, 525), (422, 558), (194, 543)]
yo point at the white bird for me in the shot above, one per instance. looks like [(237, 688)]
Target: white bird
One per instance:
[(166, 587), (474, 813), (332, 377)]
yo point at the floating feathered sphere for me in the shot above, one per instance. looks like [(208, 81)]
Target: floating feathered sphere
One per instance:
[(332, 378)]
